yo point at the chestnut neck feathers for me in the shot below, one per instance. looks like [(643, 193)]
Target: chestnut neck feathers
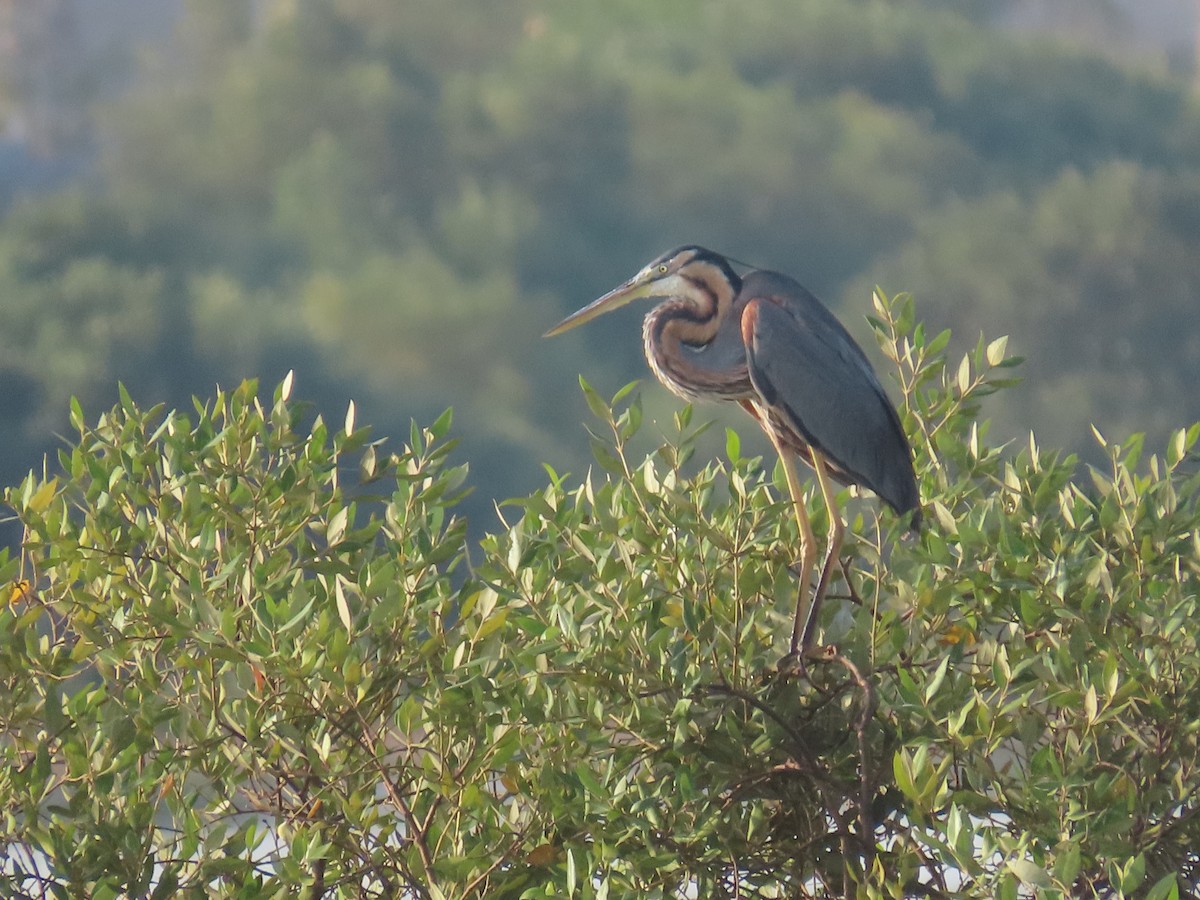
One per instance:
[(692, 338)]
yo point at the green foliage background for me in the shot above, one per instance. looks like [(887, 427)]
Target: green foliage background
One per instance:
[(245, 657), (397, 199)]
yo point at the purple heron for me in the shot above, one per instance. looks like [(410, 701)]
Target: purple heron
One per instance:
[(763, 341)]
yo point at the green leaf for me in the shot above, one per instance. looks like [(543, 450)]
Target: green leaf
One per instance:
[(902, 772), (77, 420), (441, 426), (595, 402), (490, 624), (1177, 448), (623, 393), (1166, 888), (935, 683), (939, 342), (1029, 873), (1134, 874), (1067, 863), (609, 461), (733, 445)]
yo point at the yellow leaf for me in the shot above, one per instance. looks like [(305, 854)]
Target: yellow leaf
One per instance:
[(490, 624), (20, 591), (42, 496), (957, 634)]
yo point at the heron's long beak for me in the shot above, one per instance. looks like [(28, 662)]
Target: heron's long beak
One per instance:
[(636, 288)]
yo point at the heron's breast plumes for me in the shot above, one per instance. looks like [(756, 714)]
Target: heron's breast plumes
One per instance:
[(696, 351)]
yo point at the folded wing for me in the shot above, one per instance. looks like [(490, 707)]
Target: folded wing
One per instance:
[(814, 379)]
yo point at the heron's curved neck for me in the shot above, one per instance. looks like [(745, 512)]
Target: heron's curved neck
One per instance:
[(685, 337)]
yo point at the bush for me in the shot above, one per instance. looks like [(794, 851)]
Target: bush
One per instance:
[(248, 658)]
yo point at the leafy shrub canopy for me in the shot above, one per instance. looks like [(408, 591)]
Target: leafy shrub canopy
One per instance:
[(244, 656)]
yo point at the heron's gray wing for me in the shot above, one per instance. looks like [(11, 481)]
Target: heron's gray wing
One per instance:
[(812, 375)]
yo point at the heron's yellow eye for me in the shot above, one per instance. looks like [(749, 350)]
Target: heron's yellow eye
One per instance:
[(662, 269)]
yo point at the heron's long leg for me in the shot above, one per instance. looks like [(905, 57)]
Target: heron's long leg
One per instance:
[(836, 532), (808, 542)]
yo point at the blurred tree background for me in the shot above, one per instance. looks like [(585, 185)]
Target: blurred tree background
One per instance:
[(396, 200)]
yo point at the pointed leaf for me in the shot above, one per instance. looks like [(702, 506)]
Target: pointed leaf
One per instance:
[(595, 402), (1090, 703), (1166, 888), (963, 378), (42, 496), (77, 421), (879, 301), (343, 608), (995, 350), (1030, 873), (337, 526)]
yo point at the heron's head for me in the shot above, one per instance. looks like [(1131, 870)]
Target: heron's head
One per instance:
[(678, 273)]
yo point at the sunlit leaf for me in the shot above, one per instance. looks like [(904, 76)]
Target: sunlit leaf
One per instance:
[(19, 591), (343, 608), (996, 349), (42, 497), (963, 378)]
